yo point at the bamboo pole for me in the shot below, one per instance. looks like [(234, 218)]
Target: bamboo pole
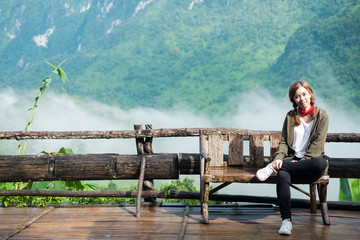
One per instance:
[(175, 194), (140, 186), (156, 133)]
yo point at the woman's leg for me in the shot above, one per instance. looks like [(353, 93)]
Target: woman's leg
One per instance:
[(306, 171)]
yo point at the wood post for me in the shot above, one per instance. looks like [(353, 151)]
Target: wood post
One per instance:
[(204, 186), (313, 207), (144, 146), (140, 186), (322, 191)]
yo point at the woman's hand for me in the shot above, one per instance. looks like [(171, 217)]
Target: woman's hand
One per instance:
[(276, 164)]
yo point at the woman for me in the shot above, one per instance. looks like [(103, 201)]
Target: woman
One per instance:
[(300, 152)]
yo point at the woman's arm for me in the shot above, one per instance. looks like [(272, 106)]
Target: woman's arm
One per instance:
[(283, 148), (318, 138)]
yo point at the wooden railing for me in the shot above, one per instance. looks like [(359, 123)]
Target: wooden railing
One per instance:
[(155, 133), (111, 166)]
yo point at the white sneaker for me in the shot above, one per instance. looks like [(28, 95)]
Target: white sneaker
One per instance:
[(286, 227), (263, 173)]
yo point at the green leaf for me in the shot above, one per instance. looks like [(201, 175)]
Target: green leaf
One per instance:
[(345, 192), (355, 189), (62, 74), (52, 65), (74, 185), (66, 151), (46, 81)]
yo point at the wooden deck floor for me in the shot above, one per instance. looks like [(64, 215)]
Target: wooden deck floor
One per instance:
[(170, 222)]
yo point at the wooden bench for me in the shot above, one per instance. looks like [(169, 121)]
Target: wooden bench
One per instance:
[(217, 167)]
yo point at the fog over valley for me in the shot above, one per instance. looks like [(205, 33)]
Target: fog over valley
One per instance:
[(56, 112)]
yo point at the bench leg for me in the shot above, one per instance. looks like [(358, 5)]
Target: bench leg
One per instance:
[(322, 190), (313, 206), (205, 203)]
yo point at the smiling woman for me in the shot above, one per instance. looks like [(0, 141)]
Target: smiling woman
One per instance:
[(300, 155)]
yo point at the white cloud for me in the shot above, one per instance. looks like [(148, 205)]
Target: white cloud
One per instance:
[(104, 9), (108, 7), (84, 8), (70, 10), (141, 6), (195, 2), (79, 47), (41, 40), (113, 24), (10, 35), (17, 23), (258, 110), (20, 62)]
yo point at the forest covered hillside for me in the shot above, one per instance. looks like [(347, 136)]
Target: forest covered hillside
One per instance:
[(200, 53)]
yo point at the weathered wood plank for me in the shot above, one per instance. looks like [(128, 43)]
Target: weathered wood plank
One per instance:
[(274, 142), (28, 223), (256, 151), (215, 145), (261, 222), (338, 167), (236, 150), (175, 132), (344, 167), (86, 167), (189, 163)]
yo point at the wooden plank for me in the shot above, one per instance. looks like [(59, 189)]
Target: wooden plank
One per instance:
[(256, 151), (27, 223), (175, 132), (184, 223), (167, 222), (15, 168), (216, 150), (236, 152), (274, 143), (189, 163)]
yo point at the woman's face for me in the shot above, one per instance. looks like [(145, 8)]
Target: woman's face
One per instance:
[(302, 98)]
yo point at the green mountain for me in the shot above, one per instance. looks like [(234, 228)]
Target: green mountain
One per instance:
[(200, 53)]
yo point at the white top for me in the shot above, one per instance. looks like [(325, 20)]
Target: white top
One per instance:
[(302, 137)]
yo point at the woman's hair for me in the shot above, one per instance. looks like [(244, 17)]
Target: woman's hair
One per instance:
[(292, 90)]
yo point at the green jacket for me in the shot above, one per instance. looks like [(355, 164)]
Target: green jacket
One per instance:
[(317, 140)]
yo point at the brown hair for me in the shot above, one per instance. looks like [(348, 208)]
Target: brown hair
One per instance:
[(292, 90)]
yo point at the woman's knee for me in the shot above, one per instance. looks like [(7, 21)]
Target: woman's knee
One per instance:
[(283, 177), (321, 163)]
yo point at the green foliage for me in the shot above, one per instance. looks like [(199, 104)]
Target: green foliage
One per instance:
[(46, 82), (167, 54), (186, 184), (66, 151), (325, 53), (349, 190)]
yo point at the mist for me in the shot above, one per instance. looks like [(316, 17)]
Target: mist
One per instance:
[(257, 110)]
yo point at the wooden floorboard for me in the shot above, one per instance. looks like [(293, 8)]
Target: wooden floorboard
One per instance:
[(168, 222)]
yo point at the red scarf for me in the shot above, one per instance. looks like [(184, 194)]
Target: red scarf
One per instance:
[(305, 112)]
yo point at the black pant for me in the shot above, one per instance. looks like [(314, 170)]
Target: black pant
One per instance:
[(304, 171)]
